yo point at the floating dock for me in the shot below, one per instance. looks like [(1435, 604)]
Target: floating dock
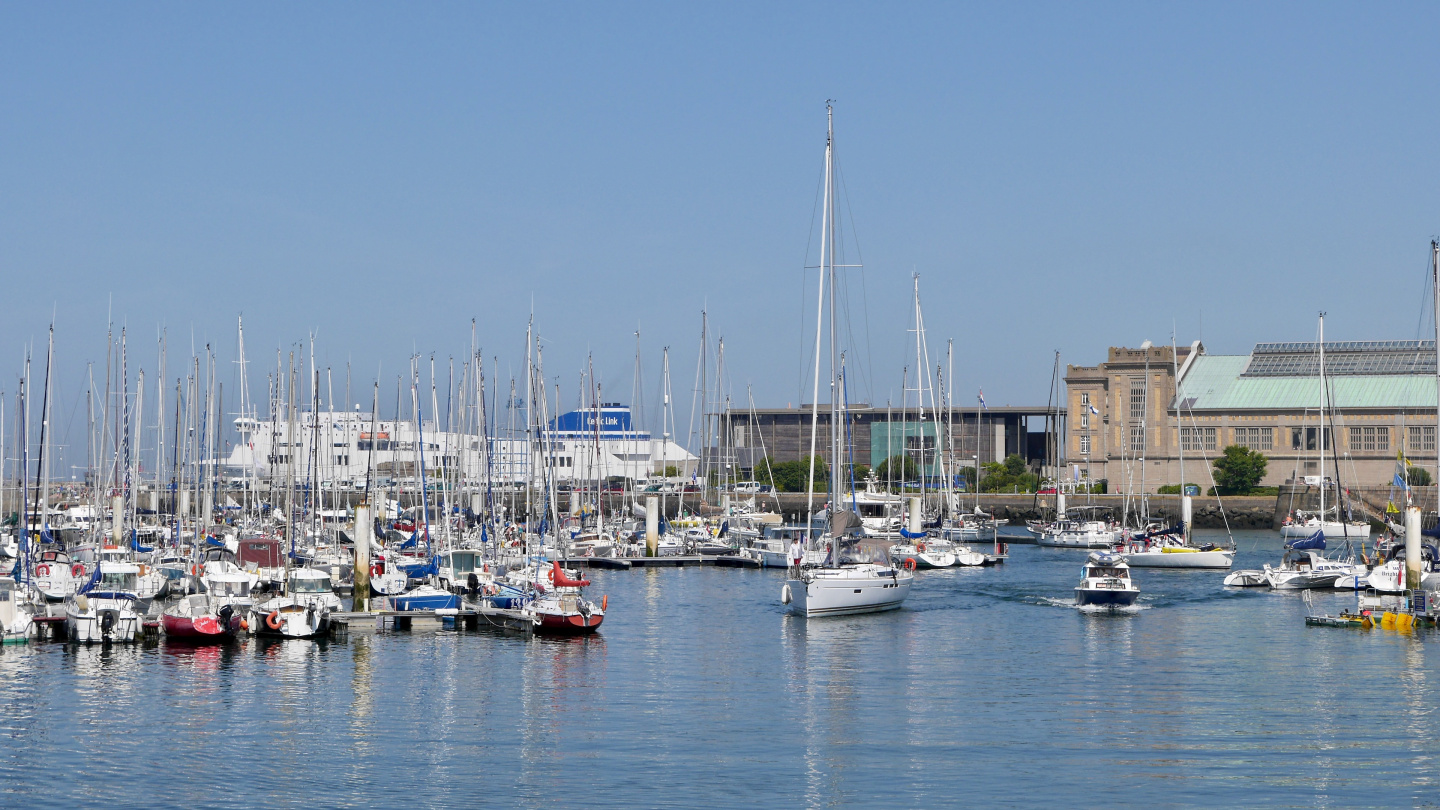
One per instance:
[(481, 617)]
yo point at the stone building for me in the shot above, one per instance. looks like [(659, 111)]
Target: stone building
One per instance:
[(1150, 404)]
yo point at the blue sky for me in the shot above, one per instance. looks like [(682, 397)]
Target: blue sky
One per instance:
[(1062, 176)]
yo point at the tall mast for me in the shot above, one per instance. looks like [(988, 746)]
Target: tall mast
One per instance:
[(1322, 418), (819, 320), (1179, 422), (1435, 284)]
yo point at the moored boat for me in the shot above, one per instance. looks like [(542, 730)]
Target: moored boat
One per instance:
[(562, 609)]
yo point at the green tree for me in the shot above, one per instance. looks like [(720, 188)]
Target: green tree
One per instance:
[(671, 471), (1238, 470), (1010, 475), (792, 476), (1418, 477), (899, 468)]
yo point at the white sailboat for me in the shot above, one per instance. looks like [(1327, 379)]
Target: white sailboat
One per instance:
[(845, 583)]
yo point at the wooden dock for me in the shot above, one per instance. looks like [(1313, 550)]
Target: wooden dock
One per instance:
[(481, 617)]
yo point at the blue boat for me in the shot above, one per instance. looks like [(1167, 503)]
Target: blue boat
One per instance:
[(426, 597), (508, 597)]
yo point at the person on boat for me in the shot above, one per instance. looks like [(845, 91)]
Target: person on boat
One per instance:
[(797, 554)]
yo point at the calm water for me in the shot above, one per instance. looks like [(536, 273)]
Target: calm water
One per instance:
[(987, 689)]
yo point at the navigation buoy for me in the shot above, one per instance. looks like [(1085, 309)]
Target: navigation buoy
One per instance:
[(785, 594)]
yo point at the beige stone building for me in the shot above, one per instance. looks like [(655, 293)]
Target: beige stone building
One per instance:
[(1131, 416)]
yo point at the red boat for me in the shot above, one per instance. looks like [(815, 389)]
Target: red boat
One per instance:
[(191, 619), (562, 610)]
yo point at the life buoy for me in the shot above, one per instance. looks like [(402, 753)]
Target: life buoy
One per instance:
[(273, 620), (377, 569), (42, 570), (910, 563), (195, 570), (920, 547), (77, 570)]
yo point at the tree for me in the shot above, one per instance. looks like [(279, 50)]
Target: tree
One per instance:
[(671, 471), (1010, 475), (792, 476), (1238, 470), (899, 468), (1418, 477)]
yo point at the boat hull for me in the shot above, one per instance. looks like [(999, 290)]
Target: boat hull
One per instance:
[(1334, 530), (1100, 540), (568, 624), (93, 627), (1216, 559), (199, 628), (1106, 597), (822, 596), (437, 601)]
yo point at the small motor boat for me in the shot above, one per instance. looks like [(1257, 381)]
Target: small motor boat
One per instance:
[(1105, 581)]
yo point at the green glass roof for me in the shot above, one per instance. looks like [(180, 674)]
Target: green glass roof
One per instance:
[(1214, 382)]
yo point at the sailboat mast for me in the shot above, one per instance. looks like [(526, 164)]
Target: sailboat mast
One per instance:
[(1435, 285), (819, 325), (1322, 416)]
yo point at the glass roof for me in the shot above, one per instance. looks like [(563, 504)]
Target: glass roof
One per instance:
[(1342, 358)]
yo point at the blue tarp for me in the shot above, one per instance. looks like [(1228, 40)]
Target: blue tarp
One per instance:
[(92, 582), (909, 535), (1178, 529), (422, 570), (1315, 542)]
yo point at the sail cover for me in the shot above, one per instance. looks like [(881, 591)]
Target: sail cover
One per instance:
[(1315, 542), (844, 522), (909, 535)]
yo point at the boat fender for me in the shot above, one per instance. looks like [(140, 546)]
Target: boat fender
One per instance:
[(83, 603), (273, 620), (785, 594), (77, 570), (910, 563), (244, 624)]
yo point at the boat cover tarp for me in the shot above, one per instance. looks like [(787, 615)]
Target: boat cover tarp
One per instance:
[(909, 535), (422, 570), (1178, 529), (844, 522), (1435, 532), (1315, 542), (91, 582)]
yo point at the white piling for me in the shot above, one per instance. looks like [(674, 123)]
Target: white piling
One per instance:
[(117, 519), (1412, 547), (914, 527), (652, 525)]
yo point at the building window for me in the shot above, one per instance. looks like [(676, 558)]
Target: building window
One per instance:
[(1084, 420), (1196, 439), (1370, 439), (1255, 438), (1084, 445), (1309, 438), (1137, 439), (1422, 437), (1137, 399)]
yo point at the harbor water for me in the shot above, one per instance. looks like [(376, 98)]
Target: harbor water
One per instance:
[(988, 689)]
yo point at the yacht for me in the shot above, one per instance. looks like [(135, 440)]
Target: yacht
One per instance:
[(1105, 582), (104, 609), (302, 611), (1170, 548), (1089, 532)]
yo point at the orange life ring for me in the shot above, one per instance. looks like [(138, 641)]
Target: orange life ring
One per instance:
[(604, 603), (77, 570), (910, 563), (273, 620), (377, 569), (42, 570), (195, 570), (920, 547)]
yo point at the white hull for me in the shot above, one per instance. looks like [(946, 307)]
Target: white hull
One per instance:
[(1159, 558), (848, 590), (1334, 530), (88, 627), (1095, 540)]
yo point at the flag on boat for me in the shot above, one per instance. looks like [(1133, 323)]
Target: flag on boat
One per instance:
[(982, 400)]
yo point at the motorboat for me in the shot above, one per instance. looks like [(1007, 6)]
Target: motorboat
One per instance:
[(197, 618), (57, 575), (924, 552), (772, 549), (1105, 582), (561, 609), (973, 527), (1170, 548), (104, 609), (302, 611), (16, 626)]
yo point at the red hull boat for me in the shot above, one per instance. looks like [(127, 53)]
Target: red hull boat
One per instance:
[(562, 611)]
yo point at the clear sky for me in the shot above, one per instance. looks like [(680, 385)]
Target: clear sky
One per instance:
[(1066, 176)]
